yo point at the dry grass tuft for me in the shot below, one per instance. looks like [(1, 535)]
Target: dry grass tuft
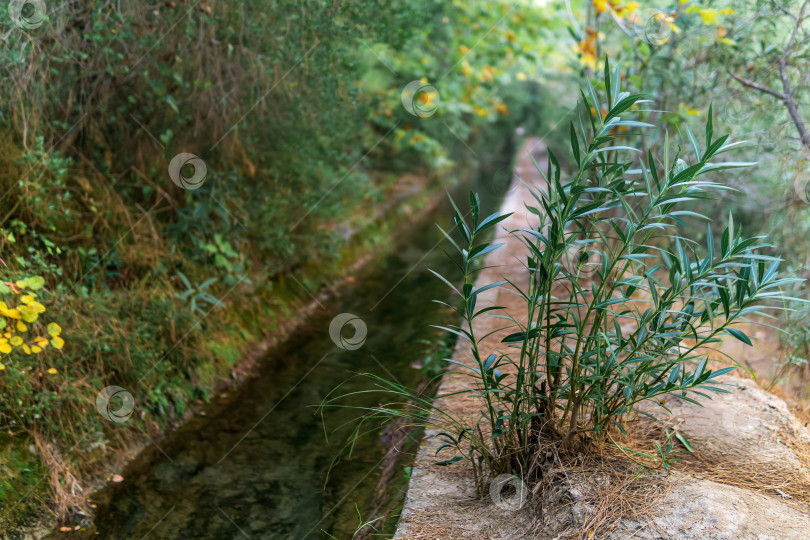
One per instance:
[(783, 477), (776, 478), (68, 497), (619, 490), (604, 487)]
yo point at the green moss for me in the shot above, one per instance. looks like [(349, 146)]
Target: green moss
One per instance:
[(21, 481)]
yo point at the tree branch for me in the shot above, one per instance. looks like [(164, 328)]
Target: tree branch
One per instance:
[(789, 103), (756, 86), (787, 96)]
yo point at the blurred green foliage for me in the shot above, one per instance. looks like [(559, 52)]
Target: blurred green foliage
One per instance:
[(295, 107), (749, 59)]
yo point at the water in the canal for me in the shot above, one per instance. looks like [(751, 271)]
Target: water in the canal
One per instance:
[(255, 465)]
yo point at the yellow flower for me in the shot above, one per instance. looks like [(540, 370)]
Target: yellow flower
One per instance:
[(521, 76), (486, 74), (631, 7), (692, 112), (709, 15), (465, 69), (52, 371), (721, 36), (426, 98), (587, 48), (463, 50), (600, 5)]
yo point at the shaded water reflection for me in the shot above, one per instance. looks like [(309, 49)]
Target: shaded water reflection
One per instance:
[(255, 465)]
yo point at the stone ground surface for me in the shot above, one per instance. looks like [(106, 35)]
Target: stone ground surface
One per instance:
[(748, 425)]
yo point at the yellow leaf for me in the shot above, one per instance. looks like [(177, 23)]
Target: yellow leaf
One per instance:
[(21, 327), (53, 371), (11, 313), (26, 348), (35, 282), (5, 348), (16, 341), (54, 329), (57, 342), (28, 314), (35, 349)]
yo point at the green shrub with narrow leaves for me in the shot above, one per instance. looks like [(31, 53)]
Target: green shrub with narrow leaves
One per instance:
[(621, 307)]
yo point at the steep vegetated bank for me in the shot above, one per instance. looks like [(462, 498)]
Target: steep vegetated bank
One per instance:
[(178, 178)]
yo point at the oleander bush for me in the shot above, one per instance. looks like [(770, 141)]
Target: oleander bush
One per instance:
[(622, 307)]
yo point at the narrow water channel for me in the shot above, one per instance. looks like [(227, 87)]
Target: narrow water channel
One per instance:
[(255, 464)]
